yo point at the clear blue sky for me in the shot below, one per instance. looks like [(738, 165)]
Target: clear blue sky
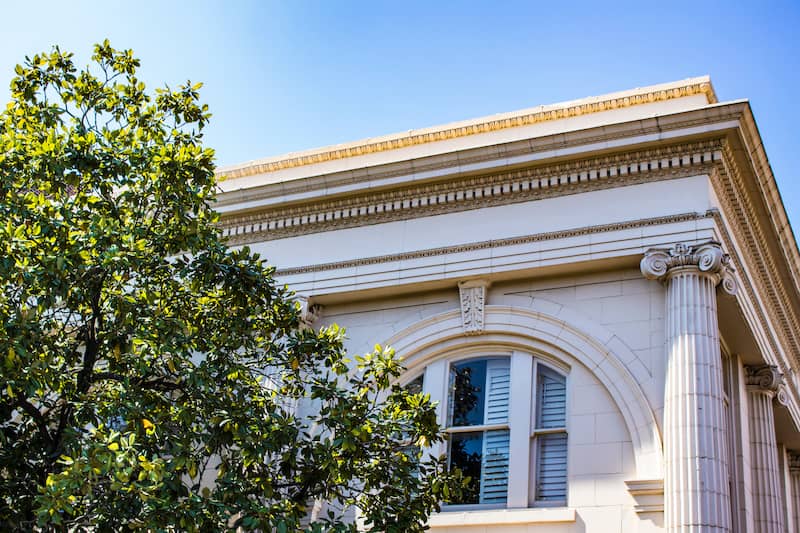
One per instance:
[(284, 76)]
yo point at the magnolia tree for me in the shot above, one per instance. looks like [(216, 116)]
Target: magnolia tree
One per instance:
[(148, 371)]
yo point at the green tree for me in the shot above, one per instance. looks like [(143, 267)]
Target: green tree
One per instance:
[(149, 373)]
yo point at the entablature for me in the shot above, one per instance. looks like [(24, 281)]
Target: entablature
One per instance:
[(718, 142)]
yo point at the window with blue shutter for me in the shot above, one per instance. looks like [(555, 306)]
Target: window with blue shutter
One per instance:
[(478, 426), (502, 411), (550, 437)]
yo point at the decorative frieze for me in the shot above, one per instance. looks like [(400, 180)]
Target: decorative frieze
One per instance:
[(474, 192), (494, 243), (542, 114), (472, 295)]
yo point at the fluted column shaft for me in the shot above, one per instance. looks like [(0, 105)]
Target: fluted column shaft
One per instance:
[(794, 494), (762, 385), (696, 489)]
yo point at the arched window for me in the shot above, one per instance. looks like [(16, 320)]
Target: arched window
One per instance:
[(506, 420)]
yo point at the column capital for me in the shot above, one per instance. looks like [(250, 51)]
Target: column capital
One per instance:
[(763, 378), (708, 258)]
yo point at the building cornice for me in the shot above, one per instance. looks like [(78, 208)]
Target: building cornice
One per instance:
[(572, 144), (772, 294), (475, 192), (645, 95)]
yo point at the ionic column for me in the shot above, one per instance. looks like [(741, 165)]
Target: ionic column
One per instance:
[(696, 492), (794, 489), (763, 383)]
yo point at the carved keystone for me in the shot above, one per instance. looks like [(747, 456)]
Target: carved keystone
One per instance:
[(473, 300)]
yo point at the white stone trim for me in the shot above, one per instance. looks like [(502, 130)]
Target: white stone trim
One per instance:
[(537, 330), (763, 382), (696, 482), (465, 193), (648, 493), (500, 517)]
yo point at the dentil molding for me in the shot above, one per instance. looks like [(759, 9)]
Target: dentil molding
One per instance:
[(474, 192)]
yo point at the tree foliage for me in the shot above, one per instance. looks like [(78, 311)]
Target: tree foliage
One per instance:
[(150, 375)]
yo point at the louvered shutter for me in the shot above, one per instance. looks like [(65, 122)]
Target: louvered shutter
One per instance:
[(498, 381), (551, 467), (551, 457), (494, 467), (551, 400)]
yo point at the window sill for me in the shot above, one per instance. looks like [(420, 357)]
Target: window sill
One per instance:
[(502, 517)]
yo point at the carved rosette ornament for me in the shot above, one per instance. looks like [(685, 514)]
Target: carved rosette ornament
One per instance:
[(473, 299), (708, 258)]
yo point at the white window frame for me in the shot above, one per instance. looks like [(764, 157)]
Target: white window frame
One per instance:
[(535, 439), (521, 418)]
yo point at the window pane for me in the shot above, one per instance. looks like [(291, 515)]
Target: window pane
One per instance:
[(551, 467), (483, 457), (466, 452), (415, 385), (551, 399), (467, 393)]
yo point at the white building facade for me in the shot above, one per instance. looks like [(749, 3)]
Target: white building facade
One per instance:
[(603, 296)]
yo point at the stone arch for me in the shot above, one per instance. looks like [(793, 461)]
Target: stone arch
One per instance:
[(554, 331)]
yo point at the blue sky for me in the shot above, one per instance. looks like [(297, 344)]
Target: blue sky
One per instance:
[(284, 76)]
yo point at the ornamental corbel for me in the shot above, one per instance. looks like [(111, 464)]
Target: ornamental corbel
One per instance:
[(309, 311), (708, 258), (472, 295)]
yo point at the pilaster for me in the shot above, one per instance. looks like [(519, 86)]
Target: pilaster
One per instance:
[(696, 489), (763, 384), (794, 489)]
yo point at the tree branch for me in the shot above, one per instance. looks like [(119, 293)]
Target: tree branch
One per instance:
[(37, 416)]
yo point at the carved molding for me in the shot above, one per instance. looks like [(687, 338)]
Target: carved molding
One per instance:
[(648, 494), (473, 301), (708, 258), (495, 124), (782, 396), (763, 378), (742, 224), (475, 192), (447, 165), (309, 311), (495, 243)]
